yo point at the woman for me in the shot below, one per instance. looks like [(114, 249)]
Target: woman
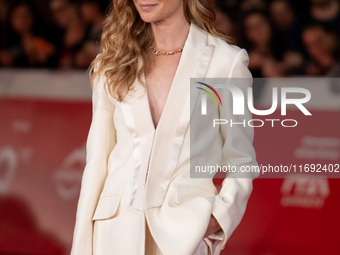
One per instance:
[(137, 196)]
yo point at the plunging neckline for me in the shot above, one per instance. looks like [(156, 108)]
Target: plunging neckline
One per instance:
[(168, 98)]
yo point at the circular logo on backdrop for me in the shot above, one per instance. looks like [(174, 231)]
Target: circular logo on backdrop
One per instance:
[(68, 176)]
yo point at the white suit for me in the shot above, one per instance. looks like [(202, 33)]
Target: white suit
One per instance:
[(135, 171)]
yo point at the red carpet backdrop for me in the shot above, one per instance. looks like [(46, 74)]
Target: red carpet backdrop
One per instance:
[(42, 156)]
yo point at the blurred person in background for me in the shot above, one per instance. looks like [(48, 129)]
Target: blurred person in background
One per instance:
[(282, 15), (326, 13), (231, 8), (247, 5), (25, 45), (224, 23), (323, 51), (265, 51), (3, 19), (3, 12), (93, 14), (67, 17)]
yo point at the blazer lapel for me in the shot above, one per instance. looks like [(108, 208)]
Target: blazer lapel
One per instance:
[(136, 113), (159, 149), (172, 127)]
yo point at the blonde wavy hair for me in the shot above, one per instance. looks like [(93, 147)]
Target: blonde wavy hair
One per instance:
[(126, 39)]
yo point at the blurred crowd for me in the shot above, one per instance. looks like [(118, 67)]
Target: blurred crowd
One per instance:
[(68, 37), (283, 37)]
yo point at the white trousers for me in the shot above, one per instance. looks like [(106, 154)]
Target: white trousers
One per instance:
[(206, 246)]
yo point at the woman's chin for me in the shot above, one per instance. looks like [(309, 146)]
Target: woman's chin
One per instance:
[(148, 18)]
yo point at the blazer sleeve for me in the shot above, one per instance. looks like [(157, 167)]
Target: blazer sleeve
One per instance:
[(100, 142), (230, 204)]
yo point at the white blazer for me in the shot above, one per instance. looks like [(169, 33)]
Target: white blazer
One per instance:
[(135, 172)]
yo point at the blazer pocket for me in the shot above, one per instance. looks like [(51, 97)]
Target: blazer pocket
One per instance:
[(185, 192), (107, 207)]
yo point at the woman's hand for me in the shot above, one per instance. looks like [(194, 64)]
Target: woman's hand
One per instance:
[(213, 226)]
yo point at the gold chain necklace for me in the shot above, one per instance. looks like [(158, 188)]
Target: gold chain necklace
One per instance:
[(172, 52)]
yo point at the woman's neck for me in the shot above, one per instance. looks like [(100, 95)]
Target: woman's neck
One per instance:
[(170, 34)]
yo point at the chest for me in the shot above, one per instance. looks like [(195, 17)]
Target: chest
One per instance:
[(158, 83)]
